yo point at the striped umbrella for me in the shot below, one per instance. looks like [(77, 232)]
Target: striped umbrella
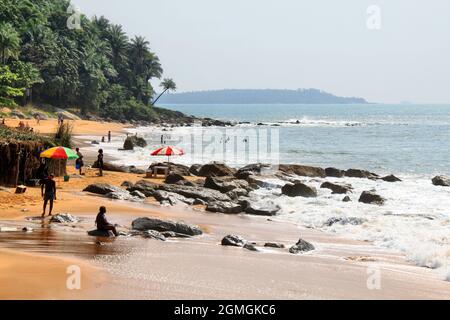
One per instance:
[(168, 151), (59, 153)]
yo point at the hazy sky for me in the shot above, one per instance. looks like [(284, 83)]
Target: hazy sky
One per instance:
[(324, 44)]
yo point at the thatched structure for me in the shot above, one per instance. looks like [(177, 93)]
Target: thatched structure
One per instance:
[(19, 156)]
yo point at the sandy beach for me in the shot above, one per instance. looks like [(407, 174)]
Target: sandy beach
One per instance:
[(195, 268)]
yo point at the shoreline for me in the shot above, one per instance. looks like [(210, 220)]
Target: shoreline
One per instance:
[(337, 269)]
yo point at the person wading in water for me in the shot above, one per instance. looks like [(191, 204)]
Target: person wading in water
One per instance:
[(48, 192)]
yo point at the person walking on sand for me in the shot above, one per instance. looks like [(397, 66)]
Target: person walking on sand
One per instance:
[(79, 164), (109, 136), (48, 193), (100, 162), (103, 224)]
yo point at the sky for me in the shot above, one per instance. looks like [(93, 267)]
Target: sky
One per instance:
[(386, 51)]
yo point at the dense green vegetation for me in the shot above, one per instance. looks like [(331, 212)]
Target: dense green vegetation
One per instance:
[(95, 68), (10, 134)]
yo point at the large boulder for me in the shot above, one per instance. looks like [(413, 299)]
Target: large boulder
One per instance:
[(40, 115), (143, 224), (299, 170), (299, 190), (102, 188), (227, 207), (18, 114), (195, 169), (337, 188), (370, 197), (171, 198), (107, 166), (226, 184), (266, 208), (138, 141), (333, 172), (173, 178), (357, 173), (442, 181), (145, 187), (234, 241), (66, 115), (301, 246), (253, 169), (216, 169), (128, 144), (391, 178)]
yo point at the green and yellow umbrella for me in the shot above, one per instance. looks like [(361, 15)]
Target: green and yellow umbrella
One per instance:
[(59, 153)]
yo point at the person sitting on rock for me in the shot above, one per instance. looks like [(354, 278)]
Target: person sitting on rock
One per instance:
[(103, 224)]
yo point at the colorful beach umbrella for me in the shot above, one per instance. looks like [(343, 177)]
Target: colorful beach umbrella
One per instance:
[(168, 151), (59, 153)]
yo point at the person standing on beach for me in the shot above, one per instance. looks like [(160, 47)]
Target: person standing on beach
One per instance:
[(109, 136), (100, 162), (79, 162), (103, 224), (48, 193)]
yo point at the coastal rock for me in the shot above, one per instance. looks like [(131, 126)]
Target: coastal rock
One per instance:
[(171, 234), (99, 233), (148, 188), (236, 193), (441, 181), (300, 170), (205, 194), (337, 188), (333, 172), (195, 169), (143, 224), (226, 184), (137, 141), (250, 246), (123, 195), (153, 234), (128, 144), (227, 207), (370, 197), (114, 168), (216, 169), (344, 221), (274, 245), (391, 178), (127, 184), (298, 190), (66, 115), (63, 218), (234, 241), (346, 199), (137, 194), (301, 246), (199, 202), (267, 208), (171, 198), (174, 178), (357, 173), (253, 169)]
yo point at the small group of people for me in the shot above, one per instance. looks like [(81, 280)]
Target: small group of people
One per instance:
[(25, 126)]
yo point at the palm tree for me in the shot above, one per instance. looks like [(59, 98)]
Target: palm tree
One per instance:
[(9, 43), (167, 84), (118, 41)]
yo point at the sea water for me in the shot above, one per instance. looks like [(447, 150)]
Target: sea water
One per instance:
[(410, 141)]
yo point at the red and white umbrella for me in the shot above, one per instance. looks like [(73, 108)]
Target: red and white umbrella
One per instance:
[(168, 151)]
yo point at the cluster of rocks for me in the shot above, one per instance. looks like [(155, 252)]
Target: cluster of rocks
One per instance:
[(222, 189), (301, 246)]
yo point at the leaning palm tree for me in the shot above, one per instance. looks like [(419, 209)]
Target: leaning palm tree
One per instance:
[(9, 43), (167, 84)]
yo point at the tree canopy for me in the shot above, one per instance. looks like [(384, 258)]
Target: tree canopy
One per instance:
[(96, 68)]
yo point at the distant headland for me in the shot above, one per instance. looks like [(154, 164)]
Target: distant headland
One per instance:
[(259, 96)]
